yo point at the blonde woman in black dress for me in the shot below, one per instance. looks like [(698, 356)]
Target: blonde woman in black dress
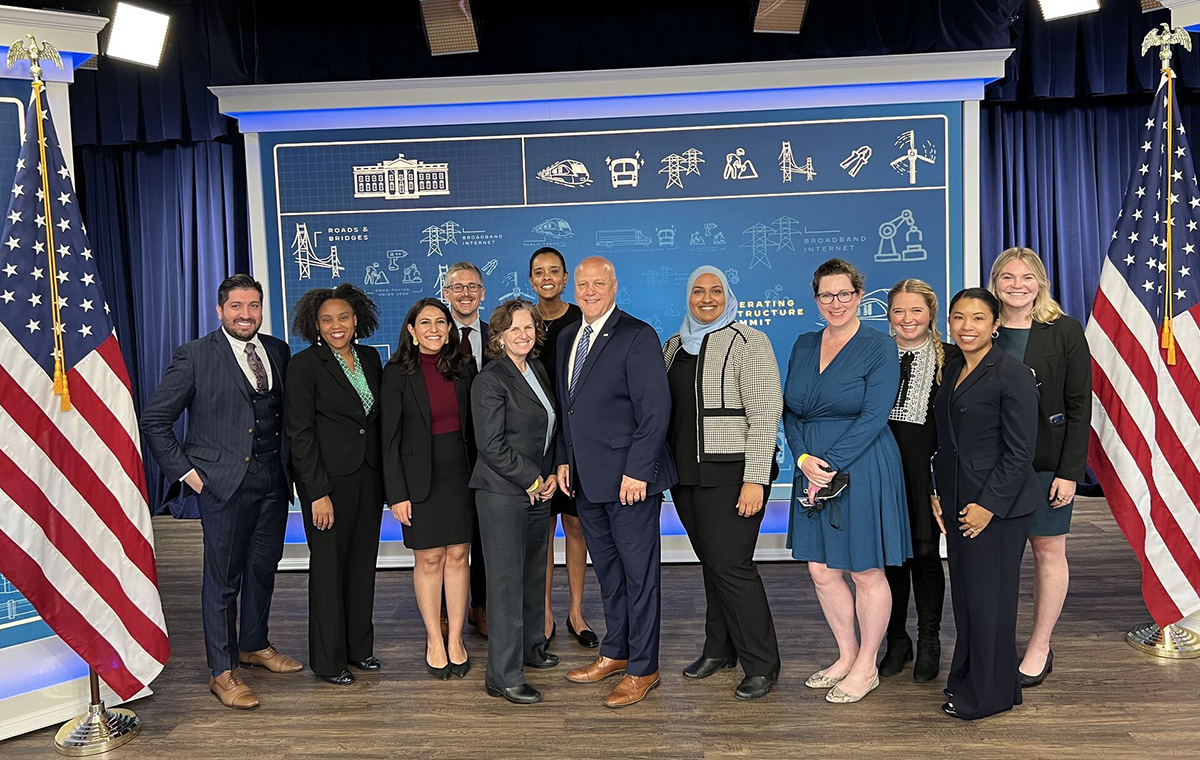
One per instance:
[(912, 313)]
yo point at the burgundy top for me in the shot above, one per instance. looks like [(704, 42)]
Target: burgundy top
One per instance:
[(443, 401)]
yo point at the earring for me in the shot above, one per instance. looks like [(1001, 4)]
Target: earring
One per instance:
[(318, 339), (995, 334), (415, 341)]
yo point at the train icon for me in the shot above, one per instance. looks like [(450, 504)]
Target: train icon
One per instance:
[(621, 239), (568, 172), (554, 228)]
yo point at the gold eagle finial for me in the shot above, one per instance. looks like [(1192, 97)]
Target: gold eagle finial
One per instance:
[(35, 54), (1163, 39)]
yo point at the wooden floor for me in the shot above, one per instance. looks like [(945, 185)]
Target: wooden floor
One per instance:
[(1103, 700)]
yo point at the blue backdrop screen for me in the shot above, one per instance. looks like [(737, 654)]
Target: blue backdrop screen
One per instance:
[(765, 196)]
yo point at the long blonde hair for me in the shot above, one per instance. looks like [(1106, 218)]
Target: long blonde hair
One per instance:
[(922, 289), (1045, 308)]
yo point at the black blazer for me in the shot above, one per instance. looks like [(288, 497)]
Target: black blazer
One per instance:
[(330, 433), (206, 380), (408, 434), (986, 432), (1059, 356), (510, 428)]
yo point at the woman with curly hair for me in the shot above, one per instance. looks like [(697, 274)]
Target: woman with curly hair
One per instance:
[(428, 452), (333, 422)]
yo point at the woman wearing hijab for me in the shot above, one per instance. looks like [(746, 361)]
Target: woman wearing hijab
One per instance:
[(726, 403)]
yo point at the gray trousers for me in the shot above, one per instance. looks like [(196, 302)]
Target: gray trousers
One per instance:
[(515, 535)]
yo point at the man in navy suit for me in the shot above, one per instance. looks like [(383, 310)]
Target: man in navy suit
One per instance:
[(464, 291), (612, 454), (235, 457)]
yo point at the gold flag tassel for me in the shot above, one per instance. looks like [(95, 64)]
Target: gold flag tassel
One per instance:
[(60, 377), (1168, 333), (1163, 39)]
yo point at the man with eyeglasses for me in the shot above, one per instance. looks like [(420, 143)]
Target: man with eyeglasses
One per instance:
[(464, 292)]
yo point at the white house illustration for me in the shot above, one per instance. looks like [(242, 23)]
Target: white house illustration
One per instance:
[(401, 178)]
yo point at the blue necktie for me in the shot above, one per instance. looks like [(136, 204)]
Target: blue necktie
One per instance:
[(581, 352)]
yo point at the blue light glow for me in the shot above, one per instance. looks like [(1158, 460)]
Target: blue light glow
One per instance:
[(608, 108)]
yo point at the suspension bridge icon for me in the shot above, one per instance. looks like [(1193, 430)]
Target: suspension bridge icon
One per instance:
[(305, 253), (787, 164), (914, 249), (907, 164)]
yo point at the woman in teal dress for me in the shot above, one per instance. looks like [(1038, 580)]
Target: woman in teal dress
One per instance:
[(841, 385)]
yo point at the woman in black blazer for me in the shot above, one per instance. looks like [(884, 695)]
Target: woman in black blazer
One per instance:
[(513, 405), (428, 449), (332, 392), (1035, 330), (986, 414)]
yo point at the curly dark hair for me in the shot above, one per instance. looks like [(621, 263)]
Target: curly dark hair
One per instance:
[(836, 267), (502, 319), (450, 362), (308, 307)]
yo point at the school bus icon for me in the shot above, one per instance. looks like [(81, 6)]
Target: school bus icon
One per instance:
[(624, 171)]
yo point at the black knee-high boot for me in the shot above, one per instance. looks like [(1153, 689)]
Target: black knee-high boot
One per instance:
[(899, 645), (929, 589)]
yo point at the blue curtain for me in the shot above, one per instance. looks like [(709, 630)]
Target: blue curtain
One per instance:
[(167, 224)]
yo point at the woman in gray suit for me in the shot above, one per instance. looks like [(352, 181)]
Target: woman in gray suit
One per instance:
[(513, 406)]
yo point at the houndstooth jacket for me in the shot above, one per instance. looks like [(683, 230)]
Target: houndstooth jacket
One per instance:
[(739, 396)]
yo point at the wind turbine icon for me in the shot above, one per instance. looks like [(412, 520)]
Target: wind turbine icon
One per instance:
[(928, 154)]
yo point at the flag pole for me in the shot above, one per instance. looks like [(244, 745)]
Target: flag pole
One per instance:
[(1173, 641), (99, 729)]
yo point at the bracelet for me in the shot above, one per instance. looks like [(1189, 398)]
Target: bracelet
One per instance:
[(534, 488), (800, 461)]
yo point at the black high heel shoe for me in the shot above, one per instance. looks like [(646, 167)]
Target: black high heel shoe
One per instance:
[(586, 637), (553, 632), (1028, 682), (442, 673), (460, 668)]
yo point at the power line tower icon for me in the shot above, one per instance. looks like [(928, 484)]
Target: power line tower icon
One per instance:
[(760, 239), (307, 257)]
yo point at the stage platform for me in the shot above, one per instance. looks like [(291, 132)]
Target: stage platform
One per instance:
[(1103, 700)]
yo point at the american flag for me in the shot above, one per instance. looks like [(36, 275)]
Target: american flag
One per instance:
[(1146, 397), (75, 534)]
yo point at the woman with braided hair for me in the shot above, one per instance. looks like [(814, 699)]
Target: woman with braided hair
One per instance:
[(912, 313)]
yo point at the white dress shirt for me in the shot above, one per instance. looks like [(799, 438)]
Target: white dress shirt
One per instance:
[(596, 326), (475, 338), (239, 353)]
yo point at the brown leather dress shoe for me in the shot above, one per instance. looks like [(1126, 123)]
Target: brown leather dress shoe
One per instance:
[(631, 690), (477, 616), (232, 691), (271, 659), (597, 670)]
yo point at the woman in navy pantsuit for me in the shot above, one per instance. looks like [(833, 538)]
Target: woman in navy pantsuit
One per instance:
[(987, 427)]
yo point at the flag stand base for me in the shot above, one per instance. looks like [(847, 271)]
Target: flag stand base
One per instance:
[(98, 730), (1173, 642)]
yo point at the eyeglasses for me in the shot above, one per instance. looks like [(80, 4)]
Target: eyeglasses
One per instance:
[(458, 287), (843, 297)]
